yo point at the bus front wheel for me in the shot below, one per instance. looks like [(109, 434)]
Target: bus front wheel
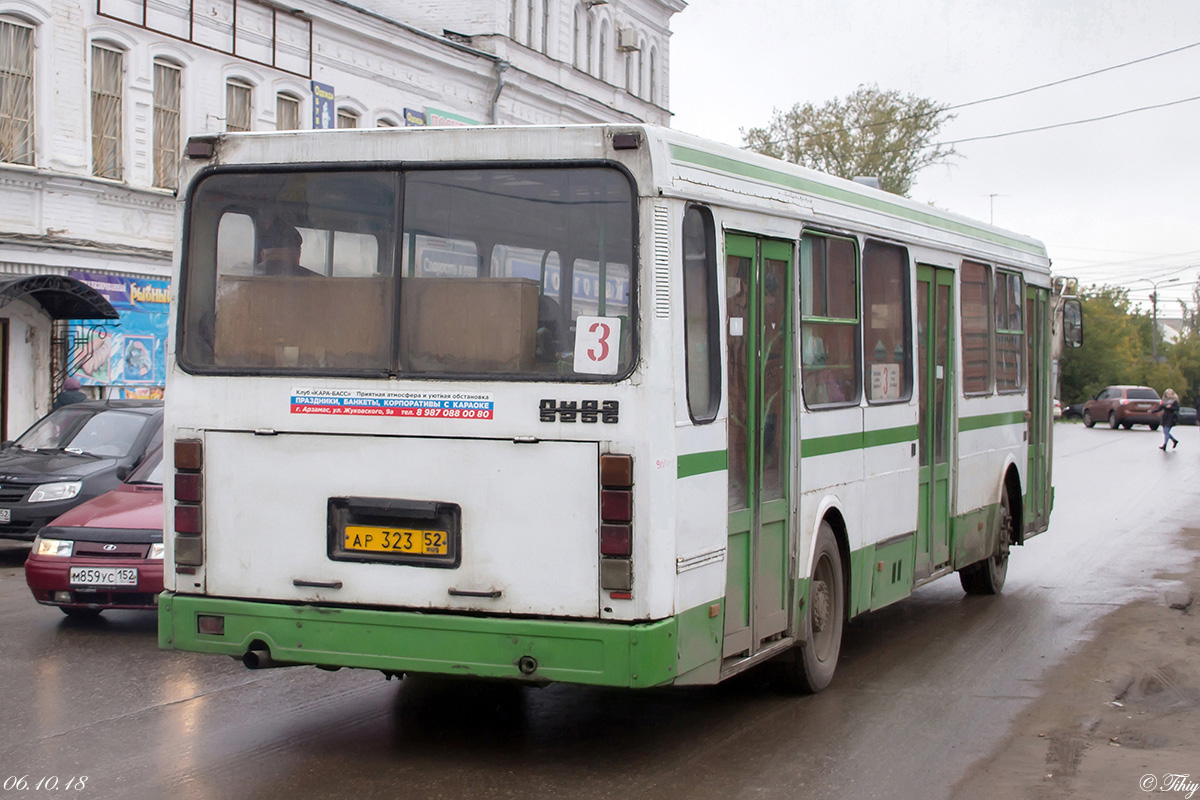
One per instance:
[(809, 668)]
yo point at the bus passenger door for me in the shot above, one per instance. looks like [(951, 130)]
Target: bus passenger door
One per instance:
[(759, 547), (935, 373), (1037, 501)]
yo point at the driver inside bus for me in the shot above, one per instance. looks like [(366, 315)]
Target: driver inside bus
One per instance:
[(279, 251)]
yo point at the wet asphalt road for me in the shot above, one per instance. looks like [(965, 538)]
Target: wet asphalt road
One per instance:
[(925, 688)]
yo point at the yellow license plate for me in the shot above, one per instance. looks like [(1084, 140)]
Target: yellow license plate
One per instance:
[(411, 541)]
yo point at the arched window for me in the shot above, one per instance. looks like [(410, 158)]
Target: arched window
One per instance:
[(512, 20), (588, 43), (653, 78), (529, 24), (603, 61), (287, 112), (347, 118), (168, 92), (545, 27), (108, 94), (575, 39), (16, 92), (641, 68), (239, 105)]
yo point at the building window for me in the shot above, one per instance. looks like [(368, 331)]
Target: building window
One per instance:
[(346, 118), (384, 122), (287, 113), (640, 66), (653, 79), (16, 93), (578, 32), (107, 77), (829, 354), (1010, 332), (545, 27), (976, 335), (167, 89), (603, 51), (239, 106), (887, 338), (588, 43), (702, 331), (529, 24)]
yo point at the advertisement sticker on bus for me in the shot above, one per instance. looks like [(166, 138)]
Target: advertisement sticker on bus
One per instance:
[(385, 403)]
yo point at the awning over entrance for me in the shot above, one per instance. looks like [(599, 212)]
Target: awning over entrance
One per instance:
[(60, 296)]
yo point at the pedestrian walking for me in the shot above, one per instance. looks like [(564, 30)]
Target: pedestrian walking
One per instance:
[(1170, 409)]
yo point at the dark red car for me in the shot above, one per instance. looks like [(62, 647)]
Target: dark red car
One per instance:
[(105, 553), (1123, 406)]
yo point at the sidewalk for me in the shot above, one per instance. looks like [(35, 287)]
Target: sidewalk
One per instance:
[(1119, 719)]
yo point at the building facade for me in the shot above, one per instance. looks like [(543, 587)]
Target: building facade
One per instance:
[(98, 98)]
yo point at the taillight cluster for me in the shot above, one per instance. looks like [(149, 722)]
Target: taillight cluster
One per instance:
[(189, 505), (616, 525)]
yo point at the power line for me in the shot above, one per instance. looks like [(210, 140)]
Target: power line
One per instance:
[(1006, 95), (1056, 125)]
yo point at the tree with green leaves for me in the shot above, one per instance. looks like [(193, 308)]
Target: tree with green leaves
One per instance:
[(873, 133)]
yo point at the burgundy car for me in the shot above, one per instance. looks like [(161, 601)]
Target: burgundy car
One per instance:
[(105, 553), (1123, 406)]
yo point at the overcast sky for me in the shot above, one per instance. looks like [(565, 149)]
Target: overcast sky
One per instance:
[(1113, 200)]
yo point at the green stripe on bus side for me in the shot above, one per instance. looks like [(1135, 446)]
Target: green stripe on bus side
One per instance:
[(991, 420), (689, 155), (860, 440), (690, 464)]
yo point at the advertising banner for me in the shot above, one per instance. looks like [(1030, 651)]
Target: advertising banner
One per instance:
[(323, 116), (131, 356)]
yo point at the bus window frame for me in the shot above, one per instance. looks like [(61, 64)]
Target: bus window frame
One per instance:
[(989, 306), (999, 271), (907, 311), (401, 169), (804, 319), (713, 328)]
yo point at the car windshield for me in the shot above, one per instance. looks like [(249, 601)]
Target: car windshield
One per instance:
[(150, 470), (97, 432), (1142, 394)]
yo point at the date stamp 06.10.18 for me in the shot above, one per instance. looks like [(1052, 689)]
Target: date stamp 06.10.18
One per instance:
[(48, 783)]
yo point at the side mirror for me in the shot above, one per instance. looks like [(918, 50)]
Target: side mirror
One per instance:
[(1072, 326), (123, 472)]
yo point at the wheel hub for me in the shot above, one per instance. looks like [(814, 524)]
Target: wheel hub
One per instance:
[(820, 606)]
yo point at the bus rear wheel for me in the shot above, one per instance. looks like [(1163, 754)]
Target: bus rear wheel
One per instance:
[(809, 668), (987, 576)]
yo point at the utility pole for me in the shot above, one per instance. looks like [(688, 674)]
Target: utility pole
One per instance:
[(1154, 314)]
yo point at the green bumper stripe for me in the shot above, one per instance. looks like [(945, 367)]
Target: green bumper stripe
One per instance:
[(689, 155), (991, 420), (607, 654), (846, 442), (699, 463)]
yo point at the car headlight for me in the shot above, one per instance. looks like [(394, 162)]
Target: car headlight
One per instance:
[(52, 547), (156, 550), (55, 491)]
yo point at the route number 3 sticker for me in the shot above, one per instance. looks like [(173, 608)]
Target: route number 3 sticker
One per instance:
[(597, 340)]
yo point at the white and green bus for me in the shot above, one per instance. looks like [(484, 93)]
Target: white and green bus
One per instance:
[(607, 405)]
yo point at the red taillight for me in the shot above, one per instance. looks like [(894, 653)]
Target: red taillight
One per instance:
[(189, 504), (616, 505), (189, 487), (187, 519), (616, 529)]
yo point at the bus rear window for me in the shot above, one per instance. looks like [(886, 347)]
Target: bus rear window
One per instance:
[(455, 272)]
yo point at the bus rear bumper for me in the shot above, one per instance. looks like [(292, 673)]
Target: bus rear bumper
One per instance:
[(538, 651)]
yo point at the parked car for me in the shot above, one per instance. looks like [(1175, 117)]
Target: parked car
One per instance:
[(105, 553), (1186, 415), (1123, 406), (71, 455), (1073, 411)]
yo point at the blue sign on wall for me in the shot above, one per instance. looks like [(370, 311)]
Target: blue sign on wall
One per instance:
[(131, 357), (323, 113)]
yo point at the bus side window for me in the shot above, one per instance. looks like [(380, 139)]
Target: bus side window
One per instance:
[(700, 315)]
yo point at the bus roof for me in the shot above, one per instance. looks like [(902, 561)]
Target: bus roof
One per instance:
[(683, 166)]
